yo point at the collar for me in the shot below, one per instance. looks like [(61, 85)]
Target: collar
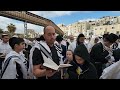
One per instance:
[(13, 52), (4, 43), (45, 45)]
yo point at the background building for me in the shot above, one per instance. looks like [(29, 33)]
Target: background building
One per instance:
[(31, 33), (106, 24), (100, 30)]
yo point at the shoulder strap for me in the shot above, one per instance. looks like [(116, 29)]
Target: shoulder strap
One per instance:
[(6, 64), (58, 48), (115, 46), (45, 51)]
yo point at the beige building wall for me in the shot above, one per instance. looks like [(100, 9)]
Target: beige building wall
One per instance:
[(100, 30), (63, 28), (97, 27), (75, 28)]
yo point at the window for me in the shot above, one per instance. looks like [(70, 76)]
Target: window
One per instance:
[(100, 28), (113, 27), (117, 32)]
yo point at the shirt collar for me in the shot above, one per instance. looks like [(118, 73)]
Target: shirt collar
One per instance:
[(4, 43)]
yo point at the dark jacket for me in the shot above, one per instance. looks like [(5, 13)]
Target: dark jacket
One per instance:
[(97, 54), (116, 54), (64, 51), (88, 69)]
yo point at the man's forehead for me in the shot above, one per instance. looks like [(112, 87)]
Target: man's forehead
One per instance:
[(49, 28), (50, 31), (6, 36)]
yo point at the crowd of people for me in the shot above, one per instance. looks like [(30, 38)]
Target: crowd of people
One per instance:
[(96, 57)]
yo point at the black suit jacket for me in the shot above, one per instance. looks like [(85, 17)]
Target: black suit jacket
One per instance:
[(64, 51)]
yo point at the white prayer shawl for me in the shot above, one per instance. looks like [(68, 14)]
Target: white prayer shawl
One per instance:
[(43, 43), (59, 53), (89, 47), (30, 70), (112, 72), (91, 44), (11, 72), (59, 50), (72, 46), (64, 43), (28, 42), (119, 45), (112, 59)]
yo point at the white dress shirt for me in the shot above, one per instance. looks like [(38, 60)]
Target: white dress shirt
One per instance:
[(5, 48)]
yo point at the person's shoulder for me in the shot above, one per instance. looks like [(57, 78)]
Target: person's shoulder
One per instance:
[(119, 45), (74, 42), (36, 49), (74, 64), (8, 45), (92, 67), (97, 45), (63, 46), (12, 57), (116, 51), (36, 46), (1, 43)]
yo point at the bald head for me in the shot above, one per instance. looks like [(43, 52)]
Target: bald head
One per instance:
[(47, 28), (49, 35)]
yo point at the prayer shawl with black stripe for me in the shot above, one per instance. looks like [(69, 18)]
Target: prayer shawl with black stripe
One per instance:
[(9, 70), (46, 53), (112, 72)]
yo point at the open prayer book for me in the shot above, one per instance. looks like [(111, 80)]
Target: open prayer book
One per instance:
[(52, 65)]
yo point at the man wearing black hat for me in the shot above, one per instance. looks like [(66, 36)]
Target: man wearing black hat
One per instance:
[(102, 53)]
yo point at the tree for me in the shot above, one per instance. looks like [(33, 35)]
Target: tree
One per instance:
[(11, 28), (1, 30)]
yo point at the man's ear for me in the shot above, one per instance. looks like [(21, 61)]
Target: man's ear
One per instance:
[(15, 45), (44, 35)]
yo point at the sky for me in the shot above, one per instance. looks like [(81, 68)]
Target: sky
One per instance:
[(58, 17)]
